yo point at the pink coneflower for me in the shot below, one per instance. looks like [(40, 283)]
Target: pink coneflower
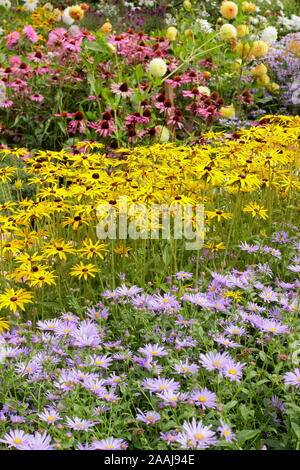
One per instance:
[(12, 39), (6, 104), (78, 124), (103, 127), (30, 34), (177, 81), (36, 56), (122, 89), (37, 97)]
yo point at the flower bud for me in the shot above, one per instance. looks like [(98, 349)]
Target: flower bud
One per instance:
[(227, 111), (106, 28), (228, 32), (171, 33)]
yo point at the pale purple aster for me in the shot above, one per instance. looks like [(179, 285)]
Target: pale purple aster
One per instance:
[(226, 432), (268, 295), (100, 361), (15, 438), (16, 419), (109, 396), (235, 330), (115, 380), (110, 443), (185, 368), (169, 437), (295, 268), (264, 269), (86, 335), (150, 417), (222, 339), (110, 294), (183, 275), (84, 446), (28, 368), (95, 314), (153, 350), (214, 361), (172, 398), (160, 384), (253, 307), (38, 442), (69, 317), (140, 301), (276, 403), (272, 251), (204, 398), (292, 378), (49, 415), (79, 424), (233, 370), (273, 326), (49, 325), (184, 322), (65, 328), (199, 299), (196, 436), (249, 248), (124, 291), (95, 385)]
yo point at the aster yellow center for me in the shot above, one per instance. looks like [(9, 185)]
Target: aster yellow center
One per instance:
[(199, 437), (232, 371), (202, 399), (18, 441)]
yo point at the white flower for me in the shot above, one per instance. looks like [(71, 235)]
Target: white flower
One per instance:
[(6, 4), (157, 67), (66, 18), (74, 30), (31, 5), (205, 26), (269, 34)]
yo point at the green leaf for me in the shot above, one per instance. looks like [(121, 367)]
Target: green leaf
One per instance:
[(247, 435)]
